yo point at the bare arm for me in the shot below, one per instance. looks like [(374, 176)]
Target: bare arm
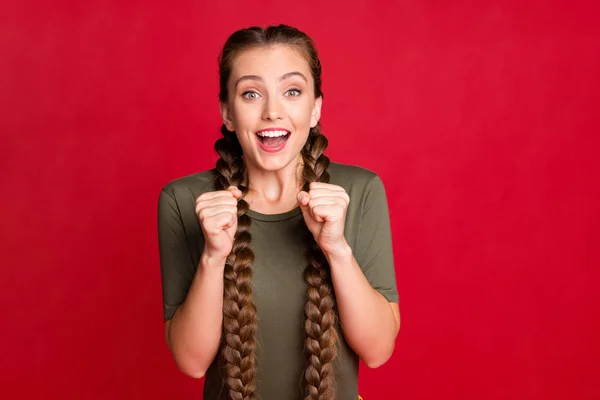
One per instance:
[(370, 323), (194, 332)]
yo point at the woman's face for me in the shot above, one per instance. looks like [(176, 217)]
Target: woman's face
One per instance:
[(271, 105)]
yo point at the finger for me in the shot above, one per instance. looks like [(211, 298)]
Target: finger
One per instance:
[(225, 220), (323, 185), (208, 212), (335, 201), (315, 215), (327, 213), (220, 223), (236, 192), (316, 193), (222, 200), (303, 199), (214, 195), (227, 199)]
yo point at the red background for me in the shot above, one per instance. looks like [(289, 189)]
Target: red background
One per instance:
[(481, 118)]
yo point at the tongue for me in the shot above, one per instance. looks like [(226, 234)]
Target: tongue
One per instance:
[(274, 141)]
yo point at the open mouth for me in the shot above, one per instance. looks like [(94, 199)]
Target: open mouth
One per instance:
[(273, 139)]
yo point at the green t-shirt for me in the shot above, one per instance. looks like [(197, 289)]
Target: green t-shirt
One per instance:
[(278, 285)]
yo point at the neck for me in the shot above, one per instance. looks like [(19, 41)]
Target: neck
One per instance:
[(272, 192)]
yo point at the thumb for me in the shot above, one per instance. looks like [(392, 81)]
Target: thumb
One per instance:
[(303, 199), (237, 193)]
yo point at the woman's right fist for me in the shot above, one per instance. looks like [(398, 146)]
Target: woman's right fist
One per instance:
[(217, 213)]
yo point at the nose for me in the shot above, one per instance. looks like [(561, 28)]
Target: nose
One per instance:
[(273, 109)]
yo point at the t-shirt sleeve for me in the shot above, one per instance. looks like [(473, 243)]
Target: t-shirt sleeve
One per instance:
[(374, 252), (175, 259)]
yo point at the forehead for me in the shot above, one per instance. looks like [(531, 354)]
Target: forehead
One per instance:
[(270, 62)]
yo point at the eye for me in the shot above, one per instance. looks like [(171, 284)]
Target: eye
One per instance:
[(293, 93), (250, 94)]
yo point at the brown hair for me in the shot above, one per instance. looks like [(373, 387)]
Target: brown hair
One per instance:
[(239, 312)]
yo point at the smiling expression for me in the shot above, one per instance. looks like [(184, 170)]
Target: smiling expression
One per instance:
[(271, 105)]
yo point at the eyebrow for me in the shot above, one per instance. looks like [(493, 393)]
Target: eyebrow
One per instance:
[(260, 79)]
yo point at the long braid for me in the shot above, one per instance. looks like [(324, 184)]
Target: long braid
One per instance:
[(239, 312), (321, 334)]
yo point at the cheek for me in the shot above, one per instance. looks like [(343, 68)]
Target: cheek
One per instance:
[(244, 115), (302, 114)]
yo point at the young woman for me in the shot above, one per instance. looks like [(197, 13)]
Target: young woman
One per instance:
[(277, 265)]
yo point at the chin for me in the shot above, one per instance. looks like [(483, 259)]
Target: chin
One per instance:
[(276, 163)]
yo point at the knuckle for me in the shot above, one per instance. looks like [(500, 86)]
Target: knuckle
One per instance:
[(203, 196)]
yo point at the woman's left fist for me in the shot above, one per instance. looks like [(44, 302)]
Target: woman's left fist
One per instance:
[(324, 208)]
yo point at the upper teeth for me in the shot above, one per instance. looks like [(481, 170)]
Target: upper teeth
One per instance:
[(272, 133)]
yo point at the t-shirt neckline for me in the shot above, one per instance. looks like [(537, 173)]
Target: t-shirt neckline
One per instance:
[(274, 217)]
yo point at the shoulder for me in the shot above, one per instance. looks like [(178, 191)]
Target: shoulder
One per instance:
[(364, 187), (196, 184), (352, 177)]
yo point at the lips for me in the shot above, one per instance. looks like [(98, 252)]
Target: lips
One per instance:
[(272, 140)]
